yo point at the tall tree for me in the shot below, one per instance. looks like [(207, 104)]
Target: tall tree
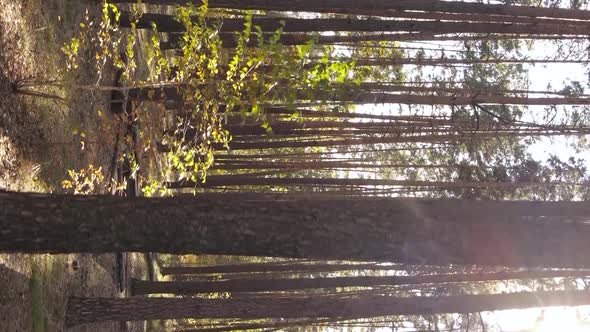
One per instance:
[(437, 232), (89, 310), (142, 287), (351, 6), (270, 267), (167, 23), (303, 38)]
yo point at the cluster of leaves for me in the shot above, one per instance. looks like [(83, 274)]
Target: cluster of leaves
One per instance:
[(193, 71), (87, 181), (106, 40)]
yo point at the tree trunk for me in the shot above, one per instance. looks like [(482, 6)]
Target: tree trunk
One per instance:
[(321, 165), (455, 88), (324, 154), (270, 267), (385, 139), (339, 129), (89, 310), (457, 17), (245, 180), (229, 40), (434, 232), (480, 99), (166, 23), (446, 61), (143, 287), (351, 6), (349, 115), (396, 98)]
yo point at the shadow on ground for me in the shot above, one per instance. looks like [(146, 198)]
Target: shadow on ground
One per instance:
[(13, 298)]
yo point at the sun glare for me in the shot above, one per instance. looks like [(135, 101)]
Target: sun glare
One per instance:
[(556, 319), (560, 319)]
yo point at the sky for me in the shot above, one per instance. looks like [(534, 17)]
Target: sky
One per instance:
[(539, 77), (556, 75)]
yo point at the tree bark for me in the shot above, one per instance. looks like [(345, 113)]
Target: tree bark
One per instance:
[(434, 232), (89, 310), (143, 287)]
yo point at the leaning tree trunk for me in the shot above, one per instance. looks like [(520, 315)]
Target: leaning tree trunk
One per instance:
[(143, 287), (419, 231), (89, 310)]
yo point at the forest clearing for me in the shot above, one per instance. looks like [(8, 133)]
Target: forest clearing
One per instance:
[(294, 165)]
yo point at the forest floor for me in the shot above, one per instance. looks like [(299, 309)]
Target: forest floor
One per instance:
[(40, 140)]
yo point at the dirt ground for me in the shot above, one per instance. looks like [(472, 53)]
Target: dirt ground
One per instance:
[(40, 137), (39, 141), (34, 289)]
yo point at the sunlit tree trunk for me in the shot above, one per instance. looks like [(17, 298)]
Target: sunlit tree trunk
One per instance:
[(89, 310)]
